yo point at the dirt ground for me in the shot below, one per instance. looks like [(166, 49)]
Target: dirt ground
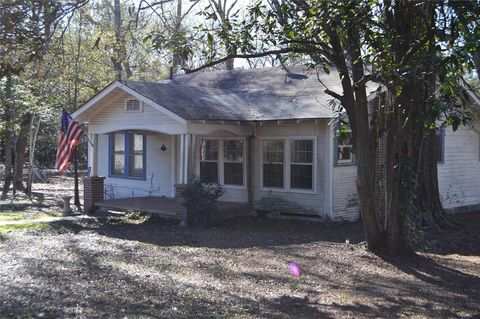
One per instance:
[(116, 268)]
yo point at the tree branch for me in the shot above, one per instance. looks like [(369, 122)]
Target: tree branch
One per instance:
[(334, 94)]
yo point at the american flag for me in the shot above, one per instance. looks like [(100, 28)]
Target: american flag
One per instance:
[(70, 135)]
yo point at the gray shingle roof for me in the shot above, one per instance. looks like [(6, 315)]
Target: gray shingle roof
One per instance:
[(194, 103), (244, 94)]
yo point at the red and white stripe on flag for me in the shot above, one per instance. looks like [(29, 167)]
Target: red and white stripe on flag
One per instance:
[(70, 135)]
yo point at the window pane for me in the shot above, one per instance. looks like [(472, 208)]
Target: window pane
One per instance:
[(118, 167), (119, 142), (302, 151), (233, 174), (209, 150), (301, 176), (209, 172), (344, 153), (135, 165), (273, 151), (345, 147), (233, 150), (135, 143), (273, 175)]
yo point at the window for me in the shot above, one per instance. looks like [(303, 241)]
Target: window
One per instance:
[(344, 145), (127, 157), (132, 105), (209, 151), (439, 145), (233, 162), (301, 164), (273, 157), (222, 161), (288, 164)]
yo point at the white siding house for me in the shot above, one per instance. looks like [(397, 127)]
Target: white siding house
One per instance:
[(267, 138)]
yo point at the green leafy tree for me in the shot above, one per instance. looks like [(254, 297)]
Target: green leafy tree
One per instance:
[(394, 43)]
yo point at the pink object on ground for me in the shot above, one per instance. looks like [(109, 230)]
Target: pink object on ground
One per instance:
[(294, 269)]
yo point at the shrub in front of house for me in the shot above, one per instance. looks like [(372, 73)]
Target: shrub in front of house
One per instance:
[(201, 201)]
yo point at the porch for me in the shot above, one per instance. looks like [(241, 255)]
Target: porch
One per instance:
[(169, 207), (161, 206)]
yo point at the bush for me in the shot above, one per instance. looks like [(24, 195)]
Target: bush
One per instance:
[(200, 200)]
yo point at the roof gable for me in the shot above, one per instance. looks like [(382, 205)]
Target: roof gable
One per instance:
[(82, 113)]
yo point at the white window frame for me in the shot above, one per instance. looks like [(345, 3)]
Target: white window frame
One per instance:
[(221, 161), (134, 111), (344, 162), (262, 162), (287, 164)]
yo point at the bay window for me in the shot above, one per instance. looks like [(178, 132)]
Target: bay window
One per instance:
[(127, 155)]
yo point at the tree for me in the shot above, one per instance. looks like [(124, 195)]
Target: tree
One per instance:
[(222, 12), (26, 30), (395, 44)]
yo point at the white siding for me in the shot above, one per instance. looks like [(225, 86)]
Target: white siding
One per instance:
[(345, 198), (111, 116), (302, 202), (459, 174), (159, 169)]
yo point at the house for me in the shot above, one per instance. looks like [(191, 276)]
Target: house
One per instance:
[(267, 135)]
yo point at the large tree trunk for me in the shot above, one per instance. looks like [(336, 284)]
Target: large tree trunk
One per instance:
[(120, 58), (354, 100), (20, 150), (412, 191), (31, 155), (177, 55), (8, 120), (364, 149)]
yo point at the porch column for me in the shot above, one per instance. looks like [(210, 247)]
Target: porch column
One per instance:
[(93, 154), (184, 158)]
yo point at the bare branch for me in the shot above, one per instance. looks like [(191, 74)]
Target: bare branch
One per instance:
[(251, 55), (335, 95), (150, 5)]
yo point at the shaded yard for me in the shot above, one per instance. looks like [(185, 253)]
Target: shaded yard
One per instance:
[(122, 267), (113, 269)]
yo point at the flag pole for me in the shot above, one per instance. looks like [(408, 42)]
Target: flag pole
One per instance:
[(75, 175)]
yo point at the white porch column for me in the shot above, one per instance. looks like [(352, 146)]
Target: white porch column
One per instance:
[(93, 154), (184, 158)]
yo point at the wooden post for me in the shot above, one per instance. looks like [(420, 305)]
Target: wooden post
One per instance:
[(75, 175)]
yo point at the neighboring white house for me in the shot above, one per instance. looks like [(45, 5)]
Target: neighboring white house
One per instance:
[(266, 135)]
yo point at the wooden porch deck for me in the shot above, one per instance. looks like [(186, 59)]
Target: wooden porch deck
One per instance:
[(166, 206)]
